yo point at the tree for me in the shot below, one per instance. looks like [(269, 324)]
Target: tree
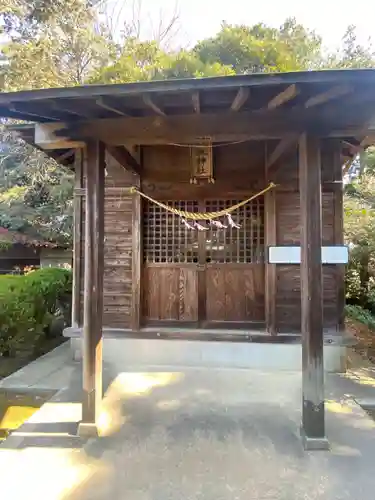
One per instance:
[(259, 48), (352, 54), (127, 19), (35, 192), (359, 223), (51, 43), (139, 61)]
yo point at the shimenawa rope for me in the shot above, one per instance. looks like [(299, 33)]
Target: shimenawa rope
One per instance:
[(201, 215)]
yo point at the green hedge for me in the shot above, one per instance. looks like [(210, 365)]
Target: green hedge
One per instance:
[(29, 306)]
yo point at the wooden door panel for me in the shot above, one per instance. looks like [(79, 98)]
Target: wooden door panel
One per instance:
[(170, 293), (188, 294), (235, 293), (215, 294)]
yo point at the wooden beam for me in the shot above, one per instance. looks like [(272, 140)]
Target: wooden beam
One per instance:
[(93, 289), (109, 107), (150, 103), (47, 138), (195, 97), (332, 93), (136, 260), (286, 95), (240, 99), (220, 127), (282, 147), (65, 155), (77, 240), (313, 419), (270, 240), (124, 158)]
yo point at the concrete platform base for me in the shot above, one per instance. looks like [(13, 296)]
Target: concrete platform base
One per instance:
[(198, 354)]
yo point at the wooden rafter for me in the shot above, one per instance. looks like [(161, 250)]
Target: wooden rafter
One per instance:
[(240, 99), (355, 150), (332, 93), (124, 158), (284, 145), (109, 107), (195, 97), (286, 95), (13, 107), (67, 110), (150, 103)]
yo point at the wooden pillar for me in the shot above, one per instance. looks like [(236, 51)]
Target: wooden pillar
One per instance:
[(338, 229), (270, 240), (93, 288), (313, 418), (136, 261), (77, 239)]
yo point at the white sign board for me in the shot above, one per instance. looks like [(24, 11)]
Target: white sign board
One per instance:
[(292, 255)]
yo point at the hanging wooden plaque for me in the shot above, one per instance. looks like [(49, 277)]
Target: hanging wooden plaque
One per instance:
[(201, 159)]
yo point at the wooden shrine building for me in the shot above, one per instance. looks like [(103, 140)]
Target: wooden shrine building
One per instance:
[(274, 274)]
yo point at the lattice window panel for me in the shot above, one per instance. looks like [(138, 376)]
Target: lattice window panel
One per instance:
[(231, 245), (165, 238)]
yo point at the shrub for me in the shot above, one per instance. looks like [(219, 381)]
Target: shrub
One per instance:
[(362, 315), (29, 305)]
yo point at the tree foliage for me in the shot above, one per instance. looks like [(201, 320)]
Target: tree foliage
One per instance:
[(359, 219), (53, 43), (259, 48), (35, 192)]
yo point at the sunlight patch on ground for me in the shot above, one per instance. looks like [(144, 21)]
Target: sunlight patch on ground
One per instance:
[(337, 407), (57, 412), (360, 377), (351, 413), (47, 473), (344, 451), (111, 417), (50, 468)]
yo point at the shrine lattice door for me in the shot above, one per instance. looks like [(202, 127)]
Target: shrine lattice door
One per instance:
[(203, 278)]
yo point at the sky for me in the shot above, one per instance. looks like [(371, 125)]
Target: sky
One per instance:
[(202, 18)]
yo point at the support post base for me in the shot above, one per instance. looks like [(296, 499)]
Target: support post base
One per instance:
[(87, 430), (313, 443)]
